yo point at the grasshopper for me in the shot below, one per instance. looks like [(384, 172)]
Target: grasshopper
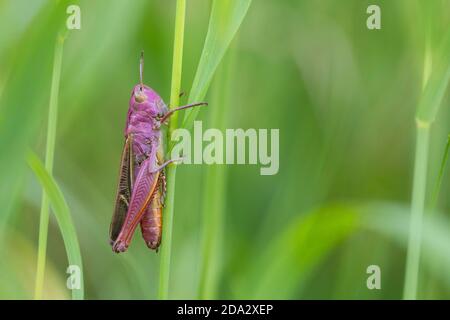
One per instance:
[(142, 182)]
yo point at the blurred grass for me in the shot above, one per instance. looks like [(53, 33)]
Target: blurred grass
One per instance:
[(63, 216), (436, 78), (438, 183), (26, 62), (225, 19), (302, 251), (224, 22), (19, 269), (49, 157), (343, 97), (213, 206), (430, 286)]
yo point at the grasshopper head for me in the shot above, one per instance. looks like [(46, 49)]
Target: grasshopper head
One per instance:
[(145, 98)]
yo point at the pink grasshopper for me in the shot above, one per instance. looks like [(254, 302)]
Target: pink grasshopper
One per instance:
[(142, 182)]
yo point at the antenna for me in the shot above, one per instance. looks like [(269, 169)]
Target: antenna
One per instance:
[(141, 69)]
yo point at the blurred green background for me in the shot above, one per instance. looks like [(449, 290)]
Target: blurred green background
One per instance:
[(343, 97)]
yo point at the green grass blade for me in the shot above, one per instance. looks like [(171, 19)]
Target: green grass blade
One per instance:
[(437, 186), (417, 209), (436, 84), (49, 156), (225, 19), (63, 217), (214, 189), (166, 244)]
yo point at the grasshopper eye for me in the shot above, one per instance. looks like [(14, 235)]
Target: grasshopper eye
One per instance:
[(139, 96)]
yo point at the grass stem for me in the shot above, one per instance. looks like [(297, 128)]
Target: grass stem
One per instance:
[(166, 244), (49, 156), (417, 210)]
